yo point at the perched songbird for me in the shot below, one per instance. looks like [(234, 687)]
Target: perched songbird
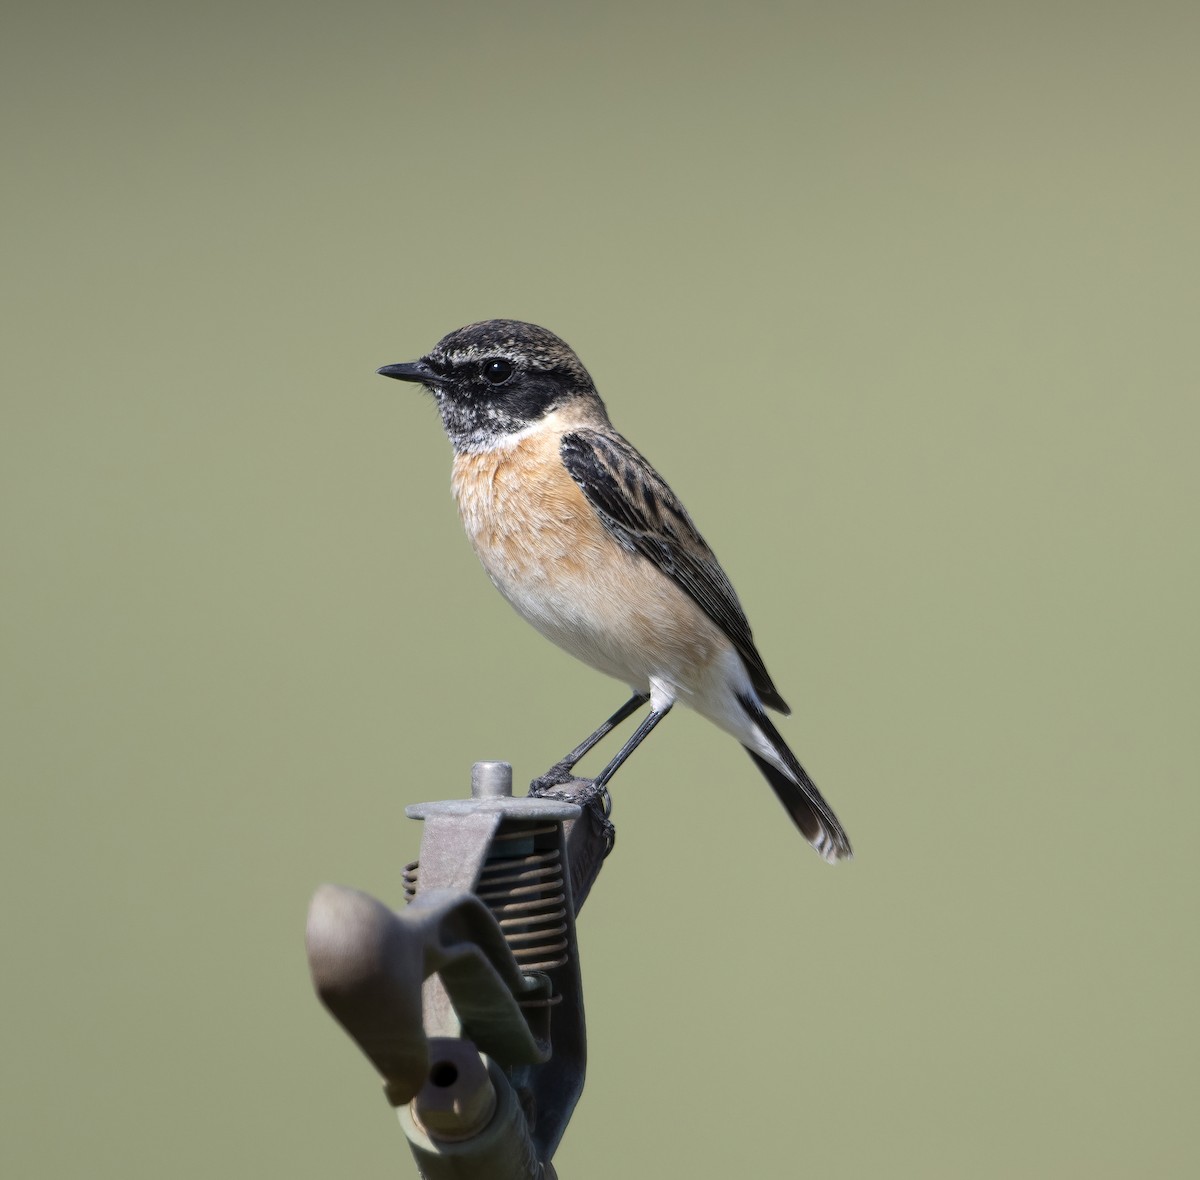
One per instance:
[(586, 540)]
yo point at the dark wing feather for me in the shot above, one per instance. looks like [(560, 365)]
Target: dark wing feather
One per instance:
[(645, 517)]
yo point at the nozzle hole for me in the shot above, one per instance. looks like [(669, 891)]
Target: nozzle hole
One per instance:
[(444, 1073)]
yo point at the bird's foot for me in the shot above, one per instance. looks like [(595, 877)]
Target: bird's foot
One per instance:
[(559, 774), (560, 783), (585, 792)]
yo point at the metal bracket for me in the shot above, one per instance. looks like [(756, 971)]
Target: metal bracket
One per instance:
[(482, 960)]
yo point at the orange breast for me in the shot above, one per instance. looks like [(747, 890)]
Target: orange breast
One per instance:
[(525, 515), (550, 555)]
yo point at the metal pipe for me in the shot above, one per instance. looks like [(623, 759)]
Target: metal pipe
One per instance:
[(451, 1102)]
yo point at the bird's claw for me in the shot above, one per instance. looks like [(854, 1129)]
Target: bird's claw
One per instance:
[(556, 776), (584, 793)]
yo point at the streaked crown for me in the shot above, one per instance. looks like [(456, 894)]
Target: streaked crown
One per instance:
[(494, 378)]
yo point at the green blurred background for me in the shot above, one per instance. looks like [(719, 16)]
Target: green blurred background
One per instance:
[(903, 301)]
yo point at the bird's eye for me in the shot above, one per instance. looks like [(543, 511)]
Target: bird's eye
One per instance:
[(497, 370)]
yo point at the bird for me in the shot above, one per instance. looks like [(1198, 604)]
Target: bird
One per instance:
[(591, 546)]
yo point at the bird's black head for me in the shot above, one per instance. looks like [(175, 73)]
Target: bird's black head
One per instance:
[(495, 378)]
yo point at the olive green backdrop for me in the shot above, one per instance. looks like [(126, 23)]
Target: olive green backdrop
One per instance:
[(903, 301)]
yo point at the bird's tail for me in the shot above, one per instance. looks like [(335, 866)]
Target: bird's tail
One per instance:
[(797, 792)]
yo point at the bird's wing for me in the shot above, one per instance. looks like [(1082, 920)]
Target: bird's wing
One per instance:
[(641, 512)]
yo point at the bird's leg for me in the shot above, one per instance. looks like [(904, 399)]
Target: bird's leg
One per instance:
[(560, 772), (635, 740)]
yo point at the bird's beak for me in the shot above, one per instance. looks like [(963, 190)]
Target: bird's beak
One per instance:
[(410, 371)]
